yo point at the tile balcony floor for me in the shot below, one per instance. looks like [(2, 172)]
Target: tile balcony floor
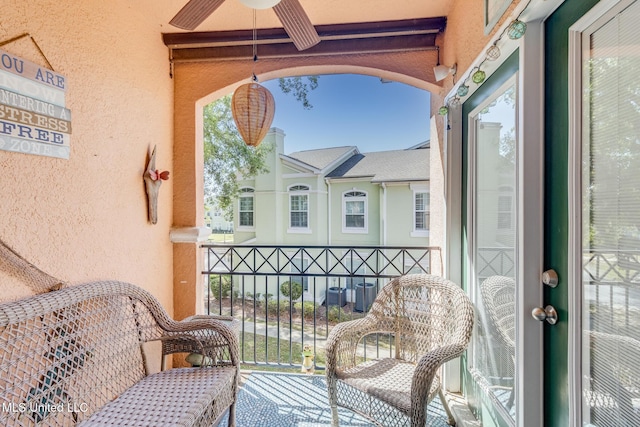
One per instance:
[(269, 399)]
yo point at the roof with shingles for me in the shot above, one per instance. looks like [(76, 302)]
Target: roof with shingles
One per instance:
[(323, 157), (386, 166)]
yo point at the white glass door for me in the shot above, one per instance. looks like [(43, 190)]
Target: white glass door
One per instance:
[(494, 226), (606, 274)]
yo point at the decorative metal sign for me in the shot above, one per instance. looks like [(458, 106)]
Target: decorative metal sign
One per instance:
[(33, 117)]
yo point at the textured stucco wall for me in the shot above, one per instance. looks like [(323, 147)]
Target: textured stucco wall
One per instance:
[(462, 41), (86, 218)]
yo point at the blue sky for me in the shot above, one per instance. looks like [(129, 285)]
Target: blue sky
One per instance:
[(355, 110)]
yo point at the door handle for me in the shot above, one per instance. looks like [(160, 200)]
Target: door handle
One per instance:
[(548, 313), (550, 278)]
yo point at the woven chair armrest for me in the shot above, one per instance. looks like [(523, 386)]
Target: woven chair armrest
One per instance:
[(342, 343), (186, 343), (207, 316), (212, 335), (424, 373), (430, 362)]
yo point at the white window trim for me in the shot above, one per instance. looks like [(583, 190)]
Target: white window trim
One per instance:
[(365, 199), (307, 192), (252, 195), (416, 188), (506, 191)]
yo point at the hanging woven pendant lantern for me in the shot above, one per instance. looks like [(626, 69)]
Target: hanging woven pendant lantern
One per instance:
[(253, 108)]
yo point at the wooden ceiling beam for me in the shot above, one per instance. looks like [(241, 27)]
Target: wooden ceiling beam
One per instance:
[(288, 50), (384, 36)]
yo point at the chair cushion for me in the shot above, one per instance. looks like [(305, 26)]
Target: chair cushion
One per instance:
[(386, 379), (177, 397)]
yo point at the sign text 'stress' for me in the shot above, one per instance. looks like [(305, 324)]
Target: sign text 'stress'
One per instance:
[(33, 116)]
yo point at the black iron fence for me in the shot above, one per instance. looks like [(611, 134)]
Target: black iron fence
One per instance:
[(611, 283), (495, 262), (288, 297)]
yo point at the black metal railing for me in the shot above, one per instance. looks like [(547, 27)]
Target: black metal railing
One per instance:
[(495, 262), (611, 283), (287, 297)]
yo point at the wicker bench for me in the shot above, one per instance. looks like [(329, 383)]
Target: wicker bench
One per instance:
[(77, 356)]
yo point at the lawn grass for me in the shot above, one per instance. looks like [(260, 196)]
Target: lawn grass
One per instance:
[(266, 356), (221, 238)]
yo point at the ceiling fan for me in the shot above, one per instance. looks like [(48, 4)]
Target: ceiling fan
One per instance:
[(290, 12)]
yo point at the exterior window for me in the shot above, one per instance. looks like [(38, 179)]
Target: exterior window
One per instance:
[(504, 212), (355, 212), (299, 207), (421, 196), (421, 211), (245, 208)]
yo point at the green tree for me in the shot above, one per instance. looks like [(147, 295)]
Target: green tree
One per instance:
[(300, 88), (291, 289), (226, 156), (220, 286)]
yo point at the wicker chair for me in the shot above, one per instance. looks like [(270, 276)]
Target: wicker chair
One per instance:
[(431, 320), (499, 298)]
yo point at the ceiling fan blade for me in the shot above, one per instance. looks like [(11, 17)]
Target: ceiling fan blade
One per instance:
[(194, 13), (297, 24)]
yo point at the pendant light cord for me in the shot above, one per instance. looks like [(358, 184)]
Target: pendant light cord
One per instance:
[(255, 48)]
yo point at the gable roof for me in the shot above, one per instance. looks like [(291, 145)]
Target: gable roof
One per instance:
[(386, 166), (321, 158), (421, 145)]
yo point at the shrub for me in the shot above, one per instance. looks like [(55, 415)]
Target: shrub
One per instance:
[(335, 314), (291, 289), (307, 308), (273, 308), (220, 285)]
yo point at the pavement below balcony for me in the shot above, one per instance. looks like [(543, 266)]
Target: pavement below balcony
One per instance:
[(280, 399)]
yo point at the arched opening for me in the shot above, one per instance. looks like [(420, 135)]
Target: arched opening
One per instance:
[(198, 84)]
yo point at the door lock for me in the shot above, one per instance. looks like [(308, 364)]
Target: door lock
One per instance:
[(548, 313), (550, 278)]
